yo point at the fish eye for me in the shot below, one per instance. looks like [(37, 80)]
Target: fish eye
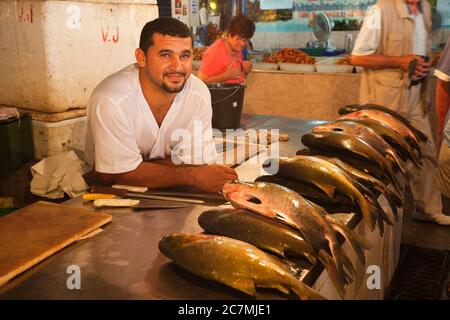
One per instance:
[(254, 200)]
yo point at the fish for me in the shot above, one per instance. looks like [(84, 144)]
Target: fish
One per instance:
[(340, 142), (391, 122), (329, 177), (234, 263), (369, 106), (264, 233), (282, 204), (394, 199), (367, 135), (391, 137), (307, 190), (360, 164)]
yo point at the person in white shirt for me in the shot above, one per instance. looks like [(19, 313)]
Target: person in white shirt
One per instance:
[(396, 34), (150, 123)]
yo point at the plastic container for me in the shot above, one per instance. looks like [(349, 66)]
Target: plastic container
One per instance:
[(16, 144), (54, 53), (296, 67), (329, 66), (265, 66), (227, 103)]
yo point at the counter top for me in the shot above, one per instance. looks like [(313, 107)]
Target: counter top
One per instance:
[(123, 261)]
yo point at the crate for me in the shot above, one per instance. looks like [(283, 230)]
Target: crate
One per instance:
[(54, 53), (16, 144)]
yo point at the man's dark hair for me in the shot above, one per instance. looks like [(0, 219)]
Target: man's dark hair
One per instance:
[(242, 26), (165, 26)]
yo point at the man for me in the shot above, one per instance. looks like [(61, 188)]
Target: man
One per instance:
[(442, 73), (395, 36), (223, 60), (153, 110)]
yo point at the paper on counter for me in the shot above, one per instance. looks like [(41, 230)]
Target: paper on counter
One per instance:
[(59, 174)]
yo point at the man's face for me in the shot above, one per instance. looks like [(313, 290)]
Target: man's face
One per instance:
[(237, 43), (169, 62)]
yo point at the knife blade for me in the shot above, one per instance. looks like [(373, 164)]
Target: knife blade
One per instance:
[(126, 194), (136, 204), (205, 196)]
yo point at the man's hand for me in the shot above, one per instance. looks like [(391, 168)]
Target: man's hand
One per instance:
[(247, 66), (233, 71), (422, 67), (211, 178)]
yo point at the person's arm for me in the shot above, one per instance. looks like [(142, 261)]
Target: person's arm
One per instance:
[(232, 72), (379, 61), (163, 174), (442, 104)]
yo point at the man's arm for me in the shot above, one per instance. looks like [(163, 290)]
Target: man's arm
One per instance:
[(379, 61), (164, 174)]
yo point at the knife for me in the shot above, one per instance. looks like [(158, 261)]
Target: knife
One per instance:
[(123, 193), (136, 204), (205, 196)]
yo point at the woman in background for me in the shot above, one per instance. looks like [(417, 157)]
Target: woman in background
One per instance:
[(223, 61)]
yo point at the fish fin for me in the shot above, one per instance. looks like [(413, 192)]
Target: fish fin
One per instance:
[(328, 189), (281, 288), (246, 286), (329, 265)]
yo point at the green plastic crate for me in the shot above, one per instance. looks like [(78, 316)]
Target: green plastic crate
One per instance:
[(16, 143)]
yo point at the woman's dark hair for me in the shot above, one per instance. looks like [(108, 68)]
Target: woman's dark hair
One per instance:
[(165, 26), (242, 26)]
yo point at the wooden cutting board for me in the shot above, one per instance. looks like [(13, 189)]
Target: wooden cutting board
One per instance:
[(31, 234)]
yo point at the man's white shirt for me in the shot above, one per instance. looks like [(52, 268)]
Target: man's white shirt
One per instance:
[(122, 131)]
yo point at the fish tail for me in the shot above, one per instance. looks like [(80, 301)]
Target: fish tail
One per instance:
[(357, 242), (329, 265), (369, 212), (390, 197)]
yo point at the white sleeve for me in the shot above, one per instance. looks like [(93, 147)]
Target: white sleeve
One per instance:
[(115, 144), (368, 39)]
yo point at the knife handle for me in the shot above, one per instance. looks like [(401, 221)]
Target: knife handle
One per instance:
[(95, 196), (116, 203)]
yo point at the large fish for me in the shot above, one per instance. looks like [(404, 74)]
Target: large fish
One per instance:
[(278, 238), (280, 203), (367, 135), (253, 228), (307, 190), (329, 177), (390, 136), (368, 106), (359, 163), (394, 199), (235, 263), (344, 143), (391, 122)]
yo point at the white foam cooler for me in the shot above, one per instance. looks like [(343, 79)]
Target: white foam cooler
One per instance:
[(54, 53)]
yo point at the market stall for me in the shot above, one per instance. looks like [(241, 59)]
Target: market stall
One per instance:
[(123, 261)]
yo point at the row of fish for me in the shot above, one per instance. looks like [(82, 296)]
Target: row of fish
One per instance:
[(284, 215)]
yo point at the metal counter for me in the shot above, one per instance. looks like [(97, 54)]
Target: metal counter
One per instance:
[(123, 261)]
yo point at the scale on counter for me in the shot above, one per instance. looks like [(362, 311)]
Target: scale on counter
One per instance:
[(322, 27)]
